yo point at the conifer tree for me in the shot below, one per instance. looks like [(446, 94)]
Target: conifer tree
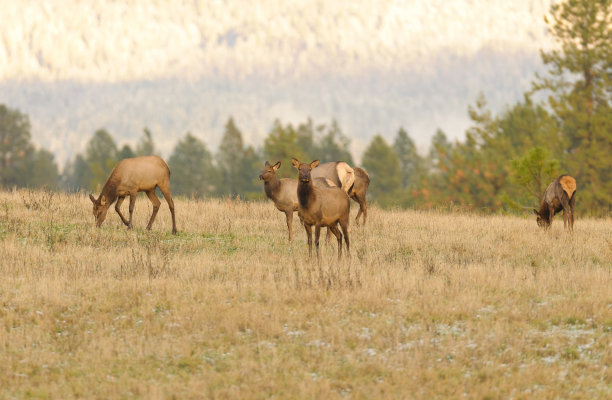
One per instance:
[(146, 146), (234, 162), (15, 146), (282, 144), (383, 166), (101, 158), (410, 161), (192, 170)]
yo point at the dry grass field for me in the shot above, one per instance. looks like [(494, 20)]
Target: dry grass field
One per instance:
[(430, 305)]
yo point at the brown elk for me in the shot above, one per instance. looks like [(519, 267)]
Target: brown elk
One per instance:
[(130, 176), (321, 207), (559, 195), (339, 172), (354, 181), (283, 192), (358, 192)]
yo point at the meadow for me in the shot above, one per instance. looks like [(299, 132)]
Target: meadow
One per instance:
[(436, 304)]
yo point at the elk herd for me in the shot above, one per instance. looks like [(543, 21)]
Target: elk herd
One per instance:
[(321, 195)]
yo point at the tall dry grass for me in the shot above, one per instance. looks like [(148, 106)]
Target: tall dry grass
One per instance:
[(430, 305)]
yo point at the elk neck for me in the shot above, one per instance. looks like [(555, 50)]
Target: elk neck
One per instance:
[(271, 187), (305, 192), (110, 189)]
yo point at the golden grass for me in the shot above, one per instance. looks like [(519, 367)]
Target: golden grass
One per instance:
[(430, 305)]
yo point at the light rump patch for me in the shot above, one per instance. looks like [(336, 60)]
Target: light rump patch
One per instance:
[(568, 184)]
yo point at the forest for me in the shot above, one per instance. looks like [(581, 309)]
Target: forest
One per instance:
[(563, 124)]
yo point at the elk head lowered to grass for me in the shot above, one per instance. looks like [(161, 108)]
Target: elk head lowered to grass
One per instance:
[(358, 192), (283, 192), (130, 176), (319, 207), (559, 195)]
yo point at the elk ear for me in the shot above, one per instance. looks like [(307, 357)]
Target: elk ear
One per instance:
[(267, 164), (314, 164), (102, 200), (276, 166), (295, 163), (536, 212), (93, 199)]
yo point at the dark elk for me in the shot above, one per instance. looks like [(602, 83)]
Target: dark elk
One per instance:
[(130, 176), (283, 192), (321, 207), (354, 181), (559, 195)]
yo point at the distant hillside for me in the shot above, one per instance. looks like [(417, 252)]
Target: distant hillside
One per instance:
[(175, 66)]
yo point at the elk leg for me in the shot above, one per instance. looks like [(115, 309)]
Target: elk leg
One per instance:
[(551, 216), (336, 232), (344, 226), (317, 235), (566, 213), (289, 215), (363, 207), (166, 192), (309, 236), (572, 205), (132, 204), (118, 209), (156, 203)]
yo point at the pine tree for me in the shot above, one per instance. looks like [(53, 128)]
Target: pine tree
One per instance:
[(125, 152), (333, 145), (410, 162), (101, 158), (15, 147), (146, 146), (282, 144), (192, 170), (42, 170), (533, 172), (383, 166), (231, 161)]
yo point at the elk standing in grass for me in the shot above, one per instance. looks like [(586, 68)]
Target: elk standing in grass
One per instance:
[(320, 207), (130, 176), (559, 195), (283, 192)]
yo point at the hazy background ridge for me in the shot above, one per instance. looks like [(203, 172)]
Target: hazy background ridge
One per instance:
[(175, 67)]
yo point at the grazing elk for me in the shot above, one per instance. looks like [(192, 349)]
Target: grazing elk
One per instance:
[(321, 207), (130, 176), (283, 192), (354, 181), (559, 195), (339, 172)]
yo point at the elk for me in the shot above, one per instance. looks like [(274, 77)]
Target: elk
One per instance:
[(559, 195), (358, 192), (339, 172), (130, 176), (283, 192), (321, 207), (354, 181)]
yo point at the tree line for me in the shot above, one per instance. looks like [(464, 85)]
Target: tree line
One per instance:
[(562, 125)]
